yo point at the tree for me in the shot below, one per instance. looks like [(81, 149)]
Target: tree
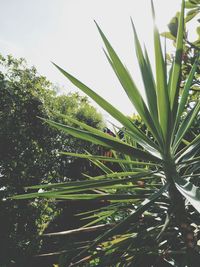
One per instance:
[(149, 224), (29, 153)]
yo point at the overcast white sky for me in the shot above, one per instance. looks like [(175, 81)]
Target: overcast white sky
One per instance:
[(63, 31)]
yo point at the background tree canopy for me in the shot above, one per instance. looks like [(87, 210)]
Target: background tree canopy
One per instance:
[(29, 153)]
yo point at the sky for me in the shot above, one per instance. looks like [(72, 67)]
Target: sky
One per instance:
[(63, 31)]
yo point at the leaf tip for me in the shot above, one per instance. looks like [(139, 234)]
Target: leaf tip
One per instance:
[(153, 9)]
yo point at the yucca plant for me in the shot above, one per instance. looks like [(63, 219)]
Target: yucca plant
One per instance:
[(150, 216)]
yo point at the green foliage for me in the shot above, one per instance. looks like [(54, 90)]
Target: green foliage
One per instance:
[(193, 8), (29, 153), (151, 199)]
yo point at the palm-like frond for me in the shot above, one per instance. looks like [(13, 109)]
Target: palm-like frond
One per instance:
[(154, 172)]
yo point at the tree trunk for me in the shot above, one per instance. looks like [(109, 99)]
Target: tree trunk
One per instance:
[(178, 211)]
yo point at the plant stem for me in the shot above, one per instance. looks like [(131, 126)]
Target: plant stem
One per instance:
[(178, 210)]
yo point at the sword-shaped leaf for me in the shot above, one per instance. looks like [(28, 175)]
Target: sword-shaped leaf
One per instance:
[(149, 149), (130, 87), (109, 159), (189, 191), (161, 83), (122, 226), (175, 81), (107, 141), (100, 165), (148, 80), (185, 93), (185, 125), (190, 161), (137, 134), (189, 150), (99, 182), (82, 196)]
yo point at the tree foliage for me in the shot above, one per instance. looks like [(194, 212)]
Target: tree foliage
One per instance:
[(29, 153)]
